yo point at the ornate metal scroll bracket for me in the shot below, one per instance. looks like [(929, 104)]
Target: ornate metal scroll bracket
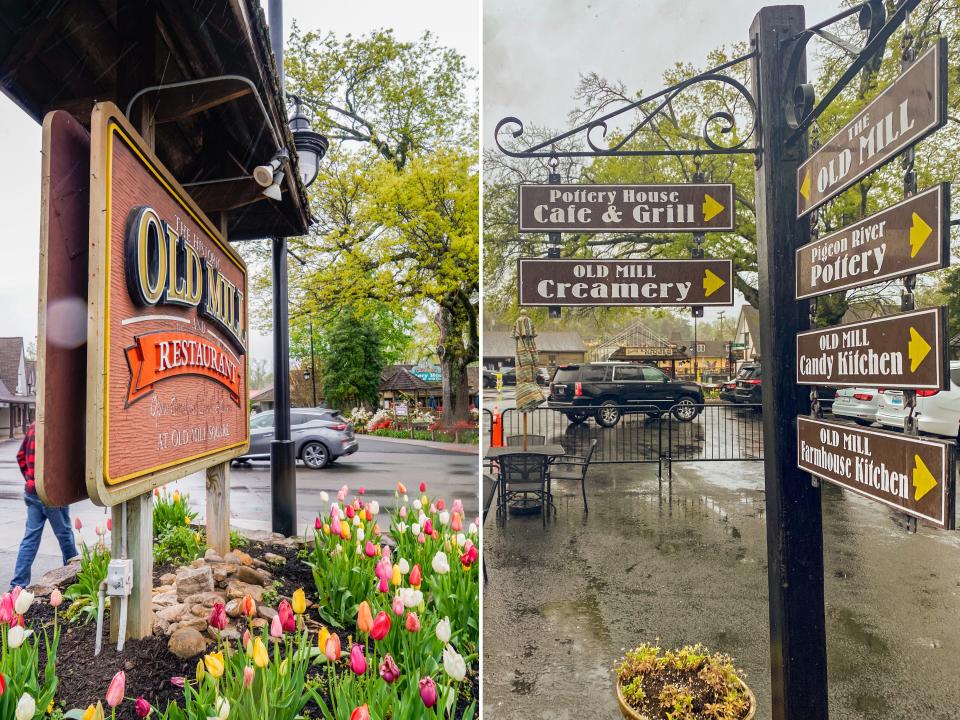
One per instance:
[(801, 107), (717, 127)]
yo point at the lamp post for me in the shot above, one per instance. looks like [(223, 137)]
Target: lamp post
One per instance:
[(310, 147)]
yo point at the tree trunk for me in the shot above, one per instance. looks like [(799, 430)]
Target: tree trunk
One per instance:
[(461, 344)]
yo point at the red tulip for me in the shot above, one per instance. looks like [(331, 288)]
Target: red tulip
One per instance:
[(317, 524), (3, 684), (218, 616), (413, 622), (423, 487), (368, 513), (110, 524), (428, 691), (416, 576), (116, 689), (358, 663), (360, 713), (469, 557), (287, 620), (428, 527), (381, 626), (77, 524), (351, 512), (389, 670), (440, 504), (141, 707)]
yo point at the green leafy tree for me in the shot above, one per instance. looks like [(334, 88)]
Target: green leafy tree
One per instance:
[(352, 361)]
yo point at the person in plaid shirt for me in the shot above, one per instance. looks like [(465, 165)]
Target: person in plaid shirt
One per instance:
[(37, 515)]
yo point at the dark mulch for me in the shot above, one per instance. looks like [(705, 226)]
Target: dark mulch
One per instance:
[(147, 663)]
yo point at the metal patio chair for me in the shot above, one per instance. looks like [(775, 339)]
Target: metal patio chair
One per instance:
[(524, 474), (574, 467), (490, 483), (517, 440)]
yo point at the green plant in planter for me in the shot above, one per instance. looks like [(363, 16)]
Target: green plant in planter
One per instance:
[(179, 545), (83, 592), (685, 684), (171, 510)]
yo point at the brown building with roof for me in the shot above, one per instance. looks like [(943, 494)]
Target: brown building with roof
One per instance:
[(17, 387), (399, 384), (556, 348)]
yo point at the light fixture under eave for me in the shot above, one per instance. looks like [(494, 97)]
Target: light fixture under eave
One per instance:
[(273, 191), (311, 146)]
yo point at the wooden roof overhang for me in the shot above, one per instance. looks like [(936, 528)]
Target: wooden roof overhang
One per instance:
[(70, 54)]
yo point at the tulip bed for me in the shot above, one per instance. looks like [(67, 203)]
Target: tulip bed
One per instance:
[(390, 631)]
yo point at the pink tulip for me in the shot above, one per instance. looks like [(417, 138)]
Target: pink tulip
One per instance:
[(413, 622), (332, 648), (335, 527), (389, 670), (428, 691), (433, 509), (248, 673), (141, 707), (383, 586), (403, 511), (285, 613), (397, 606), (334, 512), (370, 549), (6, 609), (116, 689), (361, 491), (428, 527), (457, 507), (317, 525), (358, 663), (385, 554), (246, 641), (77, 524), (178, 681), (350, 511), (218, 616), (56, 598), (342, 495), (276, 628), (421, 539)]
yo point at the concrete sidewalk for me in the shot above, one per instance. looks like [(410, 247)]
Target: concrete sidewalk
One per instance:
[(467, 448)]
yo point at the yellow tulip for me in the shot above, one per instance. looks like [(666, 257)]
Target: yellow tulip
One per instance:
[(283, 667), (200, 671), (425, 502), (186, 521), (397, 576), (345, 531), (176, 496), (93, 712), (322, 638), (299, 601), (214, 664), (260, 656)]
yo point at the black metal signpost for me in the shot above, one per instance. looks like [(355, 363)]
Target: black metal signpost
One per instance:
[(906, 351)]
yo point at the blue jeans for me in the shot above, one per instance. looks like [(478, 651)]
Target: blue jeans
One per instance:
[(37, 514)]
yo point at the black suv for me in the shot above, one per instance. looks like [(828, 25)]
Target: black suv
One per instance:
[(609, 386)]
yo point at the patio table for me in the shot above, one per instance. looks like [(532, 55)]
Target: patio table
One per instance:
[(526, 506)]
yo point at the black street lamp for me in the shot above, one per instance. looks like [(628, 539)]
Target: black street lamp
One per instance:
[(311, 146)]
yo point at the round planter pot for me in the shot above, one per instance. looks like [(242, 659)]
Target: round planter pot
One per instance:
[(631, 714)]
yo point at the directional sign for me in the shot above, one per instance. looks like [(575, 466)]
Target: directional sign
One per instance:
[(626, 208), (914, 475), (570, 282), (907, 111), (903, 239), (901, 351)]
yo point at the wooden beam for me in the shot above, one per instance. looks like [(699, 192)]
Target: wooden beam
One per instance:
[(178, 103)]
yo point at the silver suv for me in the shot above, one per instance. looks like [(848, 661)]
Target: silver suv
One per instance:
[(319, 435)]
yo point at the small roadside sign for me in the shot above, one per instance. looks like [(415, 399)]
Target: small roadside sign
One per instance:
[(401, 410), (909, 237), (689, 207), (911, 474), (900, 351), (911, 108), (574, 282)]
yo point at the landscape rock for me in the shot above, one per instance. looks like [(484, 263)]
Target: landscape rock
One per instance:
[(258, 623), (164, 598), (207, 599), (61, 576), (228, 633), (252, 576), (189, 621), (193, 580), (274, 559), (173, 613), (40, 590), (266, 612), (212, 555), (233, 608), (168, 579), (237, 589), (186, 643), (239, 557)]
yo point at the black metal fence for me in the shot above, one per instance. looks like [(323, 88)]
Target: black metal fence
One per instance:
[(644, 434)]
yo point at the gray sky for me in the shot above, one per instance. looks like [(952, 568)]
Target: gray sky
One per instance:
[(534, 51), (456, 24)]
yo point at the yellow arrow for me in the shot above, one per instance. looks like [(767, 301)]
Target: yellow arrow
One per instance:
[(805, 186), (917, 349), (923, 479), (712, 283), (711, 208), (919, 232)]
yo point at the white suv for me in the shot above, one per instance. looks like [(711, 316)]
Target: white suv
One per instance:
[(938, 411)]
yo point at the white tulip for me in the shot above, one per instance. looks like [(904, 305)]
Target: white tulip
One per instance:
[(454, 663), (356, 520), (360, 534), (415, 528), (472, 529), (405, 499), (401, 527), (223, 708), (444, 518), (443, 630), (16, 636), (26, 707), (440, 564), (23, 603), (411, 598), (461, 539), (404, 566), (324, 497), (374, 507)]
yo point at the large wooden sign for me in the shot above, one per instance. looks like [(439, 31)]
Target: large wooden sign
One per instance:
[(626, 208), (571, 282), (167, 385), (903, 239), (911, 108), (911, 474), (62, 324), (906, 351)]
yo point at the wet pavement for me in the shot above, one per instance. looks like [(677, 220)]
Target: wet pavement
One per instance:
[(686, 562)]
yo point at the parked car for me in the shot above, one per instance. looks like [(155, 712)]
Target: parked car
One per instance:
[(748, 384), (728, 389), (857, 404), (319, 435), (508, 377), (614, 386), (937, 411)]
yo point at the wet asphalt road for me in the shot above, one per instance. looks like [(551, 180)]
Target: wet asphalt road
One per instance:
[(378, 465), (687, 564)]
